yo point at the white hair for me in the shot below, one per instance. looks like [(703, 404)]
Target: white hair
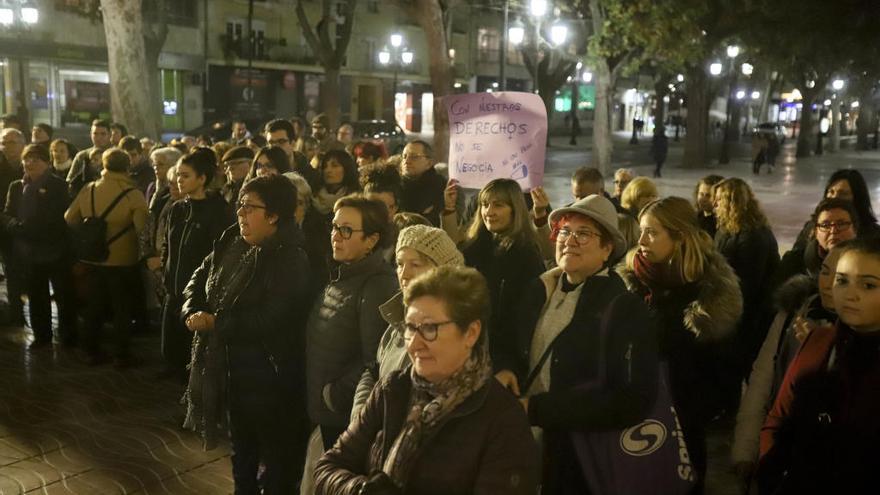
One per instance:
[(166, 155), (303, 189)]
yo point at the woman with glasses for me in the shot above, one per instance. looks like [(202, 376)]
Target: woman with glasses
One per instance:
[(345, 325), (442, 425), (270, 160), (559, 340), (696, 303), (502, 244), (191, 228), (746, 241), (247, 304)]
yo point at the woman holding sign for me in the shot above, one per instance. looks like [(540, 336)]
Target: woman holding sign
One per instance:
[(501, 243)]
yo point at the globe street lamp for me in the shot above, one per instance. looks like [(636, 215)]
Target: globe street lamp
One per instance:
[(715, 69), (838, 84), (558, 33), (397, 56), (732, 53), (538, 8)]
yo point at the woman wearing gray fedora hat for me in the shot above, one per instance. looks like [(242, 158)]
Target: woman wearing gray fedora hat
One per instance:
[(563, 320)]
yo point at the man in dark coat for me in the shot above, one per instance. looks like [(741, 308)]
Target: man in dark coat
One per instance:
[(422, 186), (11, 145), (34, 217), (82, 170)]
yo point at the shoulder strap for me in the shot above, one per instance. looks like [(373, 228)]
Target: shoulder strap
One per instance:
[(113, 204), (603, 331), (93, 198)]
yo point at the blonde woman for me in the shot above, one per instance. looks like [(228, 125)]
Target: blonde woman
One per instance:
[(696, 302), (502, 244), (639, 192), (745, 239)]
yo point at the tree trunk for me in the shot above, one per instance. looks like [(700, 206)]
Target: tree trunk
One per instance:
[(603, 144), (695, 144), (661, 90), (834, 142), (865, 118), (130, 88), (330, 94), (430, 18), (805, 132)]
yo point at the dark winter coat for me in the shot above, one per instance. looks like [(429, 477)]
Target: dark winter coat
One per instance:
[(230, 192), (143, 175), (803, 260), (268, 315), (692, 321), (630, 359), (822, 432), (424, 195), (659, 148), (709, 223), (343, 333), (754, 256), (192, 228), (508, 273), (484, 447), (35, 215), (317, 246)]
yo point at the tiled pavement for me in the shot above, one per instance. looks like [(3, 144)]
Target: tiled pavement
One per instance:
[(69, 428)]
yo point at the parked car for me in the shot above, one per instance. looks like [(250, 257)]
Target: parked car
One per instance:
[(772, 128), (380, 132)]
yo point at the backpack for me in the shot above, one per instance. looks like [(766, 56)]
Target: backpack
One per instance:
[(91, 236)]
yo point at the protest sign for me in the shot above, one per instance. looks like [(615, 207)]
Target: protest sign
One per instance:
[(497, 135)]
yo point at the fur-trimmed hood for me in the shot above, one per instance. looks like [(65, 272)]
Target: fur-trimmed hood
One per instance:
[(715, 312), (792, 294)]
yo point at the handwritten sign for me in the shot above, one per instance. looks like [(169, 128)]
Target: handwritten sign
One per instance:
[(497, 135)]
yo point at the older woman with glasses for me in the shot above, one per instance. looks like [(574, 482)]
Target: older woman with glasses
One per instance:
[(442, 425), (247, 305), (562, 320), (345, 326)]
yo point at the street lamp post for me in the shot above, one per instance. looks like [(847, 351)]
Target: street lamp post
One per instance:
[(732, 53), (397, 56)]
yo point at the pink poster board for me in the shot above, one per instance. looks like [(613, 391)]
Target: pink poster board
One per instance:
[(497, 135)]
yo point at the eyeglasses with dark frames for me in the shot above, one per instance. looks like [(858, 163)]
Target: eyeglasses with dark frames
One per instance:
[(428, 331), (838, 226), (248, 208), (344, 231)]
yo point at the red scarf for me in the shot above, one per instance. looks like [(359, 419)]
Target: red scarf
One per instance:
[(656, 276)]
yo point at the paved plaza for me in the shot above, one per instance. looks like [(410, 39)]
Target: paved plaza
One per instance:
[(67, 428)]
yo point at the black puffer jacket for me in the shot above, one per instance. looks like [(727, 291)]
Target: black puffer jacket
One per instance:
[(192, 228), (424, 195), (344, 331), (269, 312), (508, 273)]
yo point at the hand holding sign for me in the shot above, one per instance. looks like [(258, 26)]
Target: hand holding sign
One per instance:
[(497, 135)]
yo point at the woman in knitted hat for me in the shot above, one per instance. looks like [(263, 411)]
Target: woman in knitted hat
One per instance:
[(562, 321), (419, 248)]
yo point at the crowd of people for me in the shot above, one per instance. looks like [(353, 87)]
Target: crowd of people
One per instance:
[(356, 323)]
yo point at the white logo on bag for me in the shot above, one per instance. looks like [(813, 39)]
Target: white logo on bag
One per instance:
[(644, 438)]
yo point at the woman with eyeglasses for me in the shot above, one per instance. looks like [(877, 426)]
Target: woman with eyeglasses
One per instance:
[(443, 425), (270, 160), (559, 344), (833, 221), (345, 325), (745, 239), (191, 228), (247, 305), (695, 301)]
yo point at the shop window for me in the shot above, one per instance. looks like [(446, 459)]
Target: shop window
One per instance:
[(172, 99)]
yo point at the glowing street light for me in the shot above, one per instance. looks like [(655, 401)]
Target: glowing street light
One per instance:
[(558, 33), (748, 69), (30, 14), (715, 68), (396, 40), (384, 57), (732, 51), (827, 103), (7, 16), (680, 78), (516, 34), (740, 94), (406, 57), (854, 104), (587, 76), (538, 8), (756, 95), (837, 84)]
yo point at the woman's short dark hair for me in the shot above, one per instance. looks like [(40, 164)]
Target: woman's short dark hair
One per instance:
[(116, 160), (71, 149), (828, 204), (37, 151), (463, 290), (368, 149), (277, 159), (277, 193), (203, 160), (381, 179), (350, 177), (861, 197), (374, 215)]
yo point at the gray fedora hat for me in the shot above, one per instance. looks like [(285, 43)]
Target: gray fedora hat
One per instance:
[(600, 209)]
